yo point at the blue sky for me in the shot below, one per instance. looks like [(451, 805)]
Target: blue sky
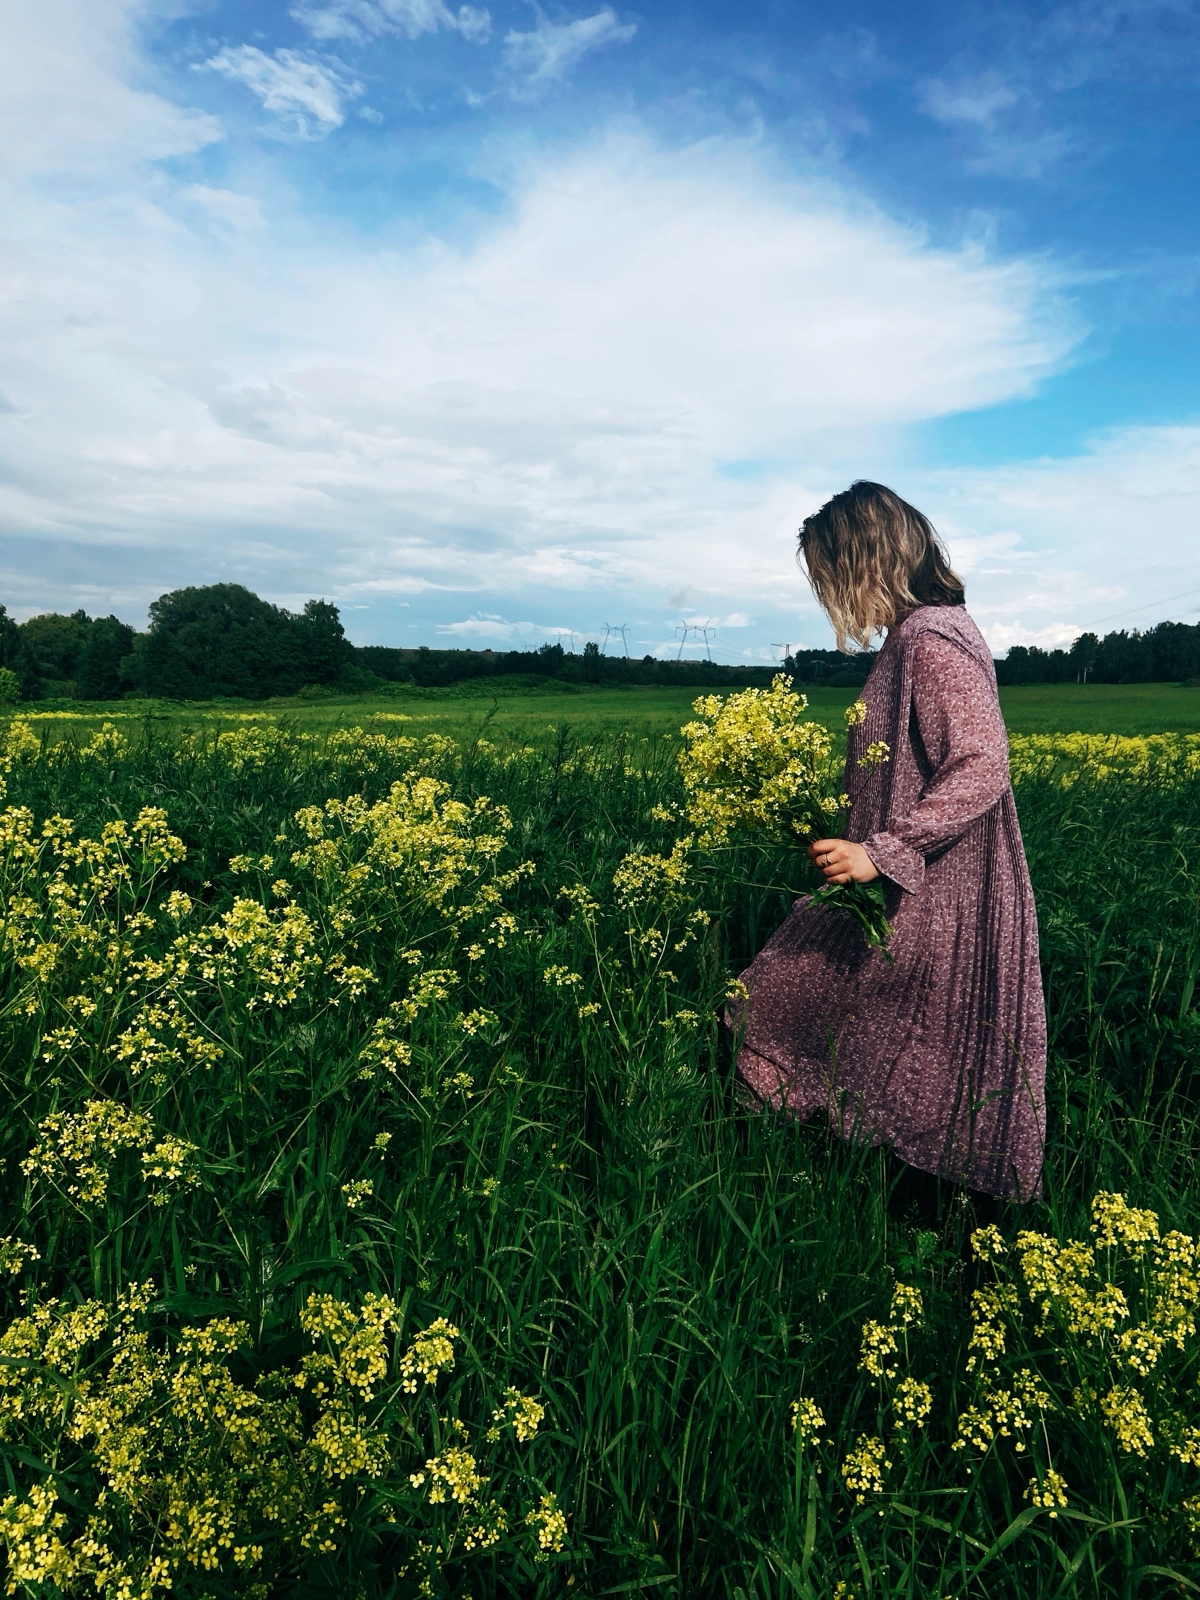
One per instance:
[(498, 324)]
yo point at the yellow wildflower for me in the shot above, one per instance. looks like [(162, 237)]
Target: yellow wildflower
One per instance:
[(807, 1420), (864, 1466), (878, 1343), (550, 1525), (1048, 1491)]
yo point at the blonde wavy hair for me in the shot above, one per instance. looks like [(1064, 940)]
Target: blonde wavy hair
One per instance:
[(871, 559)]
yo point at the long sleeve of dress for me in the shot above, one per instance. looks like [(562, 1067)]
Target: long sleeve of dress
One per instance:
[(966, 747)]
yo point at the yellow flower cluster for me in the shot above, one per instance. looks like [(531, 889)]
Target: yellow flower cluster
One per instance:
[(550, 1526), (76, 1151), (1049, 1491), (879, 1339), (912, 1403), (418, 842), (204, 1475), (864, 1466), (1168, 758), (430, 1354), (1104, 1314), (807, 1420), (659, 881), (878, 1347), (752, 764), (452, 1475), (522, 1412)]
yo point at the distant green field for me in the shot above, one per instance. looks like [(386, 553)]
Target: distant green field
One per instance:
[(1126, 708), (471, 710)]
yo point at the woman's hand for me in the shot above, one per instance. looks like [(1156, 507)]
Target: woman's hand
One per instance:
[(842, 861)]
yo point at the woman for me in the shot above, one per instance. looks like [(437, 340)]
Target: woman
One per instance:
[(942, 1053)]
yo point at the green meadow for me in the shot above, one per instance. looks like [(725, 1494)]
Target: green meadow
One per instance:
[(382, 1218), (521, 712)]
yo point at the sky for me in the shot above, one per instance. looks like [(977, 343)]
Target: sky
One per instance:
[(523, 322)]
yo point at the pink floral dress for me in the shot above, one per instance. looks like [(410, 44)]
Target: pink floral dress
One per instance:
[(941, 1054)]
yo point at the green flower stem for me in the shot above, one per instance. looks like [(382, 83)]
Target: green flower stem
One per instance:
[(864, 902)]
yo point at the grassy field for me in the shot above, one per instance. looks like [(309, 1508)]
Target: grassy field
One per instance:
[(466, 711), (382, 1220)]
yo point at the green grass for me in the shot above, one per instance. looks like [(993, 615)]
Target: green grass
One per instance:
[(1124, 708), (581, 1195), (463, 712)]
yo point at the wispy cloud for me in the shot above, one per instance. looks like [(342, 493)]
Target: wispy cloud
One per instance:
[(308, 95), (73, 95), (361, 20), (543, 57), (1009, 98), (486, 628), (528, 417), (978, 100), (1049, 548), (224, 206)]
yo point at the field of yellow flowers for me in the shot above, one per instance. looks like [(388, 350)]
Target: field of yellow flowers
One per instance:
[(380, 1217)]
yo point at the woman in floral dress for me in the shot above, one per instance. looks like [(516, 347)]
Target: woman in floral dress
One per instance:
[(941, 1052)]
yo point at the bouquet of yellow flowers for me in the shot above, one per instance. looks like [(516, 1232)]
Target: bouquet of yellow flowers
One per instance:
[(752, 765)]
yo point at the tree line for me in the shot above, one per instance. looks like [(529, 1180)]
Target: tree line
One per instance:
[(202, 643), (1167, 653), (222, 641)]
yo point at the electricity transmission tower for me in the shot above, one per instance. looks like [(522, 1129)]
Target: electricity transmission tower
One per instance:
[(620, 630), (787, 650), (704, 631), (683, 629)]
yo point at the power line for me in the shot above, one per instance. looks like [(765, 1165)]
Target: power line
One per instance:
[(1134, 610)]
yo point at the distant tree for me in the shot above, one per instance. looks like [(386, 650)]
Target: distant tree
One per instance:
[(325, 652), (102, 673), (1123, 658), (219, 640), (49, 654), (1168, 652), (10, 639), (10, 687), (384, 661), (1174, 651), (1083, 656)]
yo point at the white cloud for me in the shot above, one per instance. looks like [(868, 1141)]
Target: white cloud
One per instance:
[(67, 95), (486, 630), (545, 56), (360, 20), (1104, 539), (307, 93), (535, 414), (225, 206), (977, 100)]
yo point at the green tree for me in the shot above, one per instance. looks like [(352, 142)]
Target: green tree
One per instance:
[(102, 673), (325, 652), (10, 639), (221, 639), (50, 652)]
